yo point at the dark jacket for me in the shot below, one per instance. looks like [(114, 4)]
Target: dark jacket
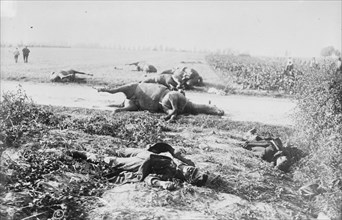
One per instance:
[(26, 51), (135, 165), (266, 148)]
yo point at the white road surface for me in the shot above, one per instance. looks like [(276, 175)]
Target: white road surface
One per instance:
[(268, 110)]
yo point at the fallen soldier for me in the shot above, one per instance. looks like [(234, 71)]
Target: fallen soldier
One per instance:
[(267, 148), (158, 98), (67, 76), (136, 165)]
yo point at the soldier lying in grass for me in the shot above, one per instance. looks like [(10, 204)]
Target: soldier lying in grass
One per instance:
[(136, 165), (67, 76), (267, 148)]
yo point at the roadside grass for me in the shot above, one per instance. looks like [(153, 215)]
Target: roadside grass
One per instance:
[(36, 165)]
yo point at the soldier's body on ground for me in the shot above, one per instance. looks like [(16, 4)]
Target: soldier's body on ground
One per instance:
[(67, 76), (131, 165), (268, 148)]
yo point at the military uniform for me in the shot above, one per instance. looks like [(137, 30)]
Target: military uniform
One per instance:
[(267, 148), (136, 165)]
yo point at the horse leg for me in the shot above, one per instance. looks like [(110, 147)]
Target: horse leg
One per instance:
[(129, 105), (128, 90)]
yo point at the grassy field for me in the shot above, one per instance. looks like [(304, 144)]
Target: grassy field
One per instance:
[(100, 62)]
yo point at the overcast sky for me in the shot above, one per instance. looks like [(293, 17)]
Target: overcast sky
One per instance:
[(302, 28)]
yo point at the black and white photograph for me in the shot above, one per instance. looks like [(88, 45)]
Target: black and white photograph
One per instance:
[(171, 110)]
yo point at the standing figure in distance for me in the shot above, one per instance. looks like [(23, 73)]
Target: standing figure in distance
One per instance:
[(339, 65), (289, 65), (26, 52), (16, 54), (314, 63)]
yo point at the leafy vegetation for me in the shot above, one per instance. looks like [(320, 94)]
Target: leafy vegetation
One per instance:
[(266, 74), (318, 132), (40, 179), (20, 118), (320, 135), (44, 164), (24, 126)]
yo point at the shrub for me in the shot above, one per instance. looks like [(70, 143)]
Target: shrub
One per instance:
[(319, 122), (19, 116), (25, 180)]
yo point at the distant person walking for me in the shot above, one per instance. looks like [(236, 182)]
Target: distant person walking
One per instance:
[(26, 52), (289, 65), (314, 64), (16, 54), (339, 65)]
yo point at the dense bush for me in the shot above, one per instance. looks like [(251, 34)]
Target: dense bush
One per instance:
[(319, 122), (20, 117)]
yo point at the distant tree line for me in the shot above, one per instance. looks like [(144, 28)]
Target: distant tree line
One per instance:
[(120, 47), (33, 45), (329, 51), (325, 52)]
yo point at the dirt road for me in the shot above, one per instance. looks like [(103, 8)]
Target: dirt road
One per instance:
[(274, 111)]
